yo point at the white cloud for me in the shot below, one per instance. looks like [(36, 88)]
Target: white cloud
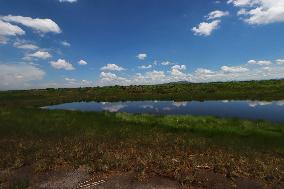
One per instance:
[(22, 44), (260, 62), (177, 73), (142, 56), (27, 46), (19, 76), (108, 78), (179, 67), (158, 77), (206, 28), (240, 73), (155, 74), (280, 61), (7, 29), (62, 64), (202, 71), (82, 62), (151, 77), (86, 82), (264, 62), (242, 3), (65, 43), (37, 24), (145, 66), (260, 11), (112, 67), (68, 1), (217, 14), (70, 79), (234, 69), (39, 55), (166, 63), (252, 62)]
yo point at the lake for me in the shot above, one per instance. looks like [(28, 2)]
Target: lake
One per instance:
[(253, 110)]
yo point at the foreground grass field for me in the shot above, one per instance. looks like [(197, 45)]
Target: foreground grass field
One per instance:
[(172, 146)]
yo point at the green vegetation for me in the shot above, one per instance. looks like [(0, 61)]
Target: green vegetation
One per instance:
[(172, 146), (247, 90)]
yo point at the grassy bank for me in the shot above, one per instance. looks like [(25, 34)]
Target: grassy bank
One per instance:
[(171, 146)]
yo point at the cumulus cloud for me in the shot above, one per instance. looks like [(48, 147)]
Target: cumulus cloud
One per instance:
[(241, 3), (82, 62), (280, 61), (234, 69), (26, 46), (177, 73), (39, 54), (145, 66), (19, 76), (142, 56), (217, 14), (23, 44), (62, 64), (260, 11), (65, 44), (166, 63), (151, 77), (70, 79), (246, 71), (7, 29), (260, 62), (179, 67), (206, 28), (203, 71), (155, 74), (240, 73), (112, 67), (158, 77), (108, 78), (37, 24), (68, 1)]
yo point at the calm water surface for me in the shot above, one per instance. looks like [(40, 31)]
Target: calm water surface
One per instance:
[(255, 110)]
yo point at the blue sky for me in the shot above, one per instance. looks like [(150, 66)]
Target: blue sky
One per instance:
[(69, 43)]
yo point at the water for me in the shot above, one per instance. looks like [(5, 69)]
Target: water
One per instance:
[(254, 110)]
